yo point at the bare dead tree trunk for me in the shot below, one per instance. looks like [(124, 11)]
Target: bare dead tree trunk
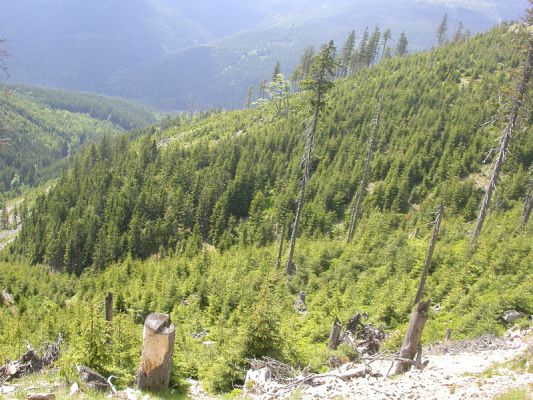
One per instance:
[(356, 210), (109, 307), (411, 343), (429, 254), (280, 249), (335, 335), (528, 203), (306, 162), (521, 91)]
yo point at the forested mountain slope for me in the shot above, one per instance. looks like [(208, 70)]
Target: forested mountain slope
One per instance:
[(186, 221), (46, 125), (432, 148)]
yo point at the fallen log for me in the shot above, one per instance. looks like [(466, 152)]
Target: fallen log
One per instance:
[(41, 396), (360, 372)]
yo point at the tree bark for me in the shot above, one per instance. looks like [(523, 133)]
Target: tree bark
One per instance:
[(109, 307), (356, 210), (521, 91), (335, 335), (156, 358), (528, 203), (280, 249), (429, 254), (411, 342), (306, 161)]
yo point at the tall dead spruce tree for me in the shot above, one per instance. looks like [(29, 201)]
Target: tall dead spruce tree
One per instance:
[(411, 344), (528, 203), (507, 134), (319, 82), (429, 253), (358, 200)]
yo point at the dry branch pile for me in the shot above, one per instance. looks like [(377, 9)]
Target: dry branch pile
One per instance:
[(483, 343), (31, 361), (279, 371), (365, 338)]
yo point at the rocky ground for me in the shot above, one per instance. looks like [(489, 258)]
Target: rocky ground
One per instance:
[(478, 369), (8, 236)]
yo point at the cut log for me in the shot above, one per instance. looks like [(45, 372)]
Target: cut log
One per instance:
[(42, 396), (411, 342), (335, 335), (360, 372), (156, 358)]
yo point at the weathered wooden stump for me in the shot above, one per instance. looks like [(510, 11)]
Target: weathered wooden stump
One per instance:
[(156, 358), (335, 335)]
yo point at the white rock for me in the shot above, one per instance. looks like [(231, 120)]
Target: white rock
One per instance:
[(511, 316), (74, 389), (7, 389)]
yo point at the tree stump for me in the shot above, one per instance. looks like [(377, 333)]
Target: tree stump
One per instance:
[(156, 358), (335, 335)]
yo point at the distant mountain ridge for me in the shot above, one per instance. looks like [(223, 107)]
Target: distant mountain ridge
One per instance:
[(179, 55), (45, 126)]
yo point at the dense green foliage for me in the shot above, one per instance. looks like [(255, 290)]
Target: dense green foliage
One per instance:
[(123, 113), (185, 221), (46, 125), (142, 199), (246, 308)]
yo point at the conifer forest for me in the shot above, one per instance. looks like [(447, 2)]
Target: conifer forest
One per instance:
[(375, 175)]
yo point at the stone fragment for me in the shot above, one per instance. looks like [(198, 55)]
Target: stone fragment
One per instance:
[(74, 389), (511, 316), (7, 389), (92, 378)]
